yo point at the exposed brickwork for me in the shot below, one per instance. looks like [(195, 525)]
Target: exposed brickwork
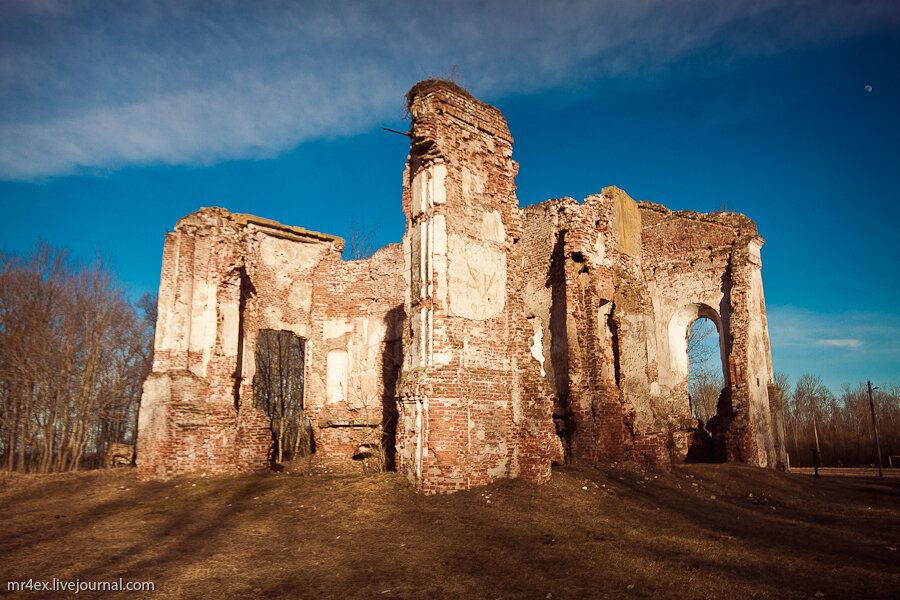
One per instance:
[(475, 407), (368, 296), (225, 277), (494, 341)]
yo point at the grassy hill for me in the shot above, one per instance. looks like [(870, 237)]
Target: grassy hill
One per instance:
[(705, 531)]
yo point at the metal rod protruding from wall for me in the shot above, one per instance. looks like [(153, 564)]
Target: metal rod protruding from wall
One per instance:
[(406, 133)]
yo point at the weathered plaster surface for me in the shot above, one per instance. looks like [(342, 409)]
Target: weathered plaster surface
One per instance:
[(493, 341), (477, 279)]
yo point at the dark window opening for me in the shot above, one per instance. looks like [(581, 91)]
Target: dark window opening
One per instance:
[(278, 391)]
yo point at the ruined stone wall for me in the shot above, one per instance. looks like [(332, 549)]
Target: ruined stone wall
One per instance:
[(493, 342), (474, 407), (544, 297), (709, 266), (226, 277), (357, 350), (190, 415), (621, 283), (598, 308), (604, 241)]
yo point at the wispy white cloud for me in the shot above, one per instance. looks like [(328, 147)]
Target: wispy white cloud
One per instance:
[(88, 85), (841, 347), (840, 343), (796, 329)]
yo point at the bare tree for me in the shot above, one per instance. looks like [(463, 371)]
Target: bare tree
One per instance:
[(70, 362), (807, 411), (278, 390), (702, 341), (705, 379), (704, 390), (361, 244)]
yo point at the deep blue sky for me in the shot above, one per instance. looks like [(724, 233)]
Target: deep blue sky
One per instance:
[(117, 120)]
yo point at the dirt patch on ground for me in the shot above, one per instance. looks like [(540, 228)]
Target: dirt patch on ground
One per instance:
[(704, 531)]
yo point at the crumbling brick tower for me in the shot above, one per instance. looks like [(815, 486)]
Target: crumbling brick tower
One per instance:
[(473, 405)]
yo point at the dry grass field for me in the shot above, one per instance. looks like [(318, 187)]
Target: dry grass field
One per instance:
[(706, 531)]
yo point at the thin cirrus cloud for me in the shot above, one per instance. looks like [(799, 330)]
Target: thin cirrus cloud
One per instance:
[(794, 330), (93, 86), (840, 347), (840, 343)]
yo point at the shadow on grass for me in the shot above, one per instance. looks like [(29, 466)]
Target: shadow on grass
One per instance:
[(371, 536)]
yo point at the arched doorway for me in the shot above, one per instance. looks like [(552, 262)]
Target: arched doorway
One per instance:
[(706, 378), (698, 359)]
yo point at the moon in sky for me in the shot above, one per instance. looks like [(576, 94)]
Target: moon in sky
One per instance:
[(868, 88)]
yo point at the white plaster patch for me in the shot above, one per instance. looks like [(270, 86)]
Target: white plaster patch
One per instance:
[(300, 295), (415, 357), (230, 322), (271, 318), (203, 321), (473, 183), (374, 331), (417, 258), (428, 189), (439, 257), (365, 351), (335, 328), (439, 189), (477, 279), (337, 376), (758, 367), (418, 189), (600, 256), (537, 346), (156, 392), (492, 227), (754, 249), (442, 358), (407, 271), (284, 256)]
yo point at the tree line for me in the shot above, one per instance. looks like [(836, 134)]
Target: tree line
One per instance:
[(74, 351), (842, 423), (839, 425)]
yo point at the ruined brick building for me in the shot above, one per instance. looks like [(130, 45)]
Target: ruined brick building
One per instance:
[(491, 342)]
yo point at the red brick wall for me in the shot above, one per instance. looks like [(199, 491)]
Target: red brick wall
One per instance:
[(370, 289), (488, 414), (199, 410)]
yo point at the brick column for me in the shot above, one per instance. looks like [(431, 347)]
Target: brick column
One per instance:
[(474, 407)]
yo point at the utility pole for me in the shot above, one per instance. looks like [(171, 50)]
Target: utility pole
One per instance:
[(816, 432), (875, 429), (816, 453)]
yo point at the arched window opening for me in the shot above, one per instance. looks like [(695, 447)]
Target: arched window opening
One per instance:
[(705, 372)]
